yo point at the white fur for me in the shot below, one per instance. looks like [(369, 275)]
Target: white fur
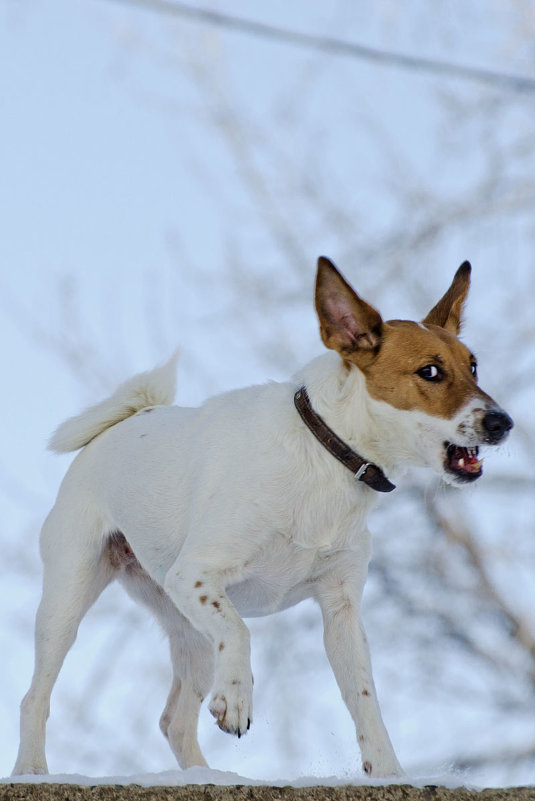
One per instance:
[(232, 509), (153, 388)]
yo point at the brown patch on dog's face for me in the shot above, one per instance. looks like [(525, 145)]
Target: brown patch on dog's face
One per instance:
[(411, 366), (421, 367)]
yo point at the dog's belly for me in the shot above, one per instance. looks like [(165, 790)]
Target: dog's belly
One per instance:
[(271, 588)]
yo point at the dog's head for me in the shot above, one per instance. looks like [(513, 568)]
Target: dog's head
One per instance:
[(420, 379)]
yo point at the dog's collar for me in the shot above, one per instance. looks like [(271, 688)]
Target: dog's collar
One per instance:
[(369, 473)]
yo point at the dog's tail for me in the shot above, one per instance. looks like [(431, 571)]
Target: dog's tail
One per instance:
[(153, 388)]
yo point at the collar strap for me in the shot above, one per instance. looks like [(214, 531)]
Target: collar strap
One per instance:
[(369, 473)]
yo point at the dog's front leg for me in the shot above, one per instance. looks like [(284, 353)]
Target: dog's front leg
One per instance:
[(198, 590), (347, 649)]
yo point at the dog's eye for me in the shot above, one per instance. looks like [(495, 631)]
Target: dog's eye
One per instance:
[(430, 372), (473, 369)]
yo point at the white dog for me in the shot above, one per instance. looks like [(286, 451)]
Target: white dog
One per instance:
[(246, 506)]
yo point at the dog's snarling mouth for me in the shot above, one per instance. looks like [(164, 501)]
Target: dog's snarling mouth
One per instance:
[(463, 462)]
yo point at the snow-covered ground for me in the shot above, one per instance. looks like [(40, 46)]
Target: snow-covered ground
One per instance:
[(179, 778)]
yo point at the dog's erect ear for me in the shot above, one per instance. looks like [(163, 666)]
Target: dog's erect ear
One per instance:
[(347, 323), (448, 311)]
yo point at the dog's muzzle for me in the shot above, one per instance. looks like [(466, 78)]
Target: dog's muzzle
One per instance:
[(464, 462), (496, 425)]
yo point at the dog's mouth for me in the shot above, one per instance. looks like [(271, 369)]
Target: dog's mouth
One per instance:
[(463, 462)]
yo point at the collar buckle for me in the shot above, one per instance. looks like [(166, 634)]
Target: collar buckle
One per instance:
[(360, 472)]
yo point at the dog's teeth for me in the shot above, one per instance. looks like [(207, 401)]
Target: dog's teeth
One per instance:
[(461, 462)]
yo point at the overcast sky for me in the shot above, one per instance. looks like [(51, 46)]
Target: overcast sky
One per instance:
[(112, 185)]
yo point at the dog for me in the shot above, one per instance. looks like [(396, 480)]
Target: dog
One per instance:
[(253, 502)]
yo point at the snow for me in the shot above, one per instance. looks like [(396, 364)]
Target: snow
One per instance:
[(199, 775)]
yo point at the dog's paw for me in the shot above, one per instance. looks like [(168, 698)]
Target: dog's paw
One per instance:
[(32, 768), (383, 768), (232, 707)]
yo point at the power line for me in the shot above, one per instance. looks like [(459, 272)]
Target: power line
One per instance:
[(325, 44)]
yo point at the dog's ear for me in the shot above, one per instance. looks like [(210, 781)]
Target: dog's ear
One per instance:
[(448, 311), (348, 324)]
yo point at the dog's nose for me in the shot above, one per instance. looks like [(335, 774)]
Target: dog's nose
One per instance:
[(496, 425)]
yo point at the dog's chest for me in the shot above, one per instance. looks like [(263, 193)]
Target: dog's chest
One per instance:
[(273, 577), (277, 577), (284, 569)]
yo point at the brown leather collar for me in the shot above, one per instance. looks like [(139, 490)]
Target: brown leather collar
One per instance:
[(369, 473)]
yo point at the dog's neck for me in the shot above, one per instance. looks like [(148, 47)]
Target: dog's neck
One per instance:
[(340, 397), (367, 472)]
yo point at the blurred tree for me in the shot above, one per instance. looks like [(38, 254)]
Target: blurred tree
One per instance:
[(315, 154)]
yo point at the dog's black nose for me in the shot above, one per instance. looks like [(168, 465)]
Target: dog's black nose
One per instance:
[(496, 425)]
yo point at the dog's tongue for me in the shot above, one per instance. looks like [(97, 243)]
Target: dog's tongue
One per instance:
[(465, 459)]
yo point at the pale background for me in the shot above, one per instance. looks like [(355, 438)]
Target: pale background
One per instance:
[(170, 182)]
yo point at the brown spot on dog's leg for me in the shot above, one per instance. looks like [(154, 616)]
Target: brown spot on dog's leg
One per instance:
[(203, 598), (221, 646), (216, 604), (365, 692), (367, 768), (198, 584)]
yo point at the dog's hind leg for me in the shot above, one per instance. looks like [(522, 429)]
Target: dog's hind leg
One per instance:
[(192, 660), (74, 577), (191, 654)]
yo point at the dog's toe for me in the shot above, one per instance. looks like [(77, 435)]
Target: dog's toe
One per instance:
[(232, 709)]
